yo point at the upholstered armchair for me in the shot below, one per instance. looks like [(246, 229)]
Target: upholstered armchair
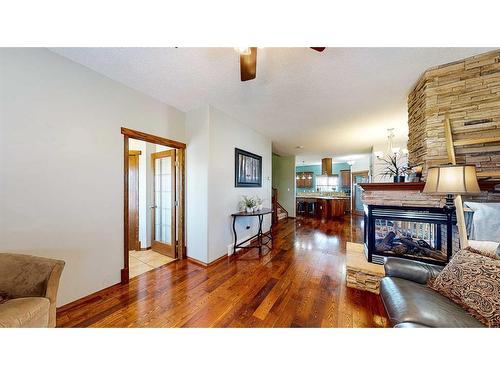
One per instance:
[(30, 284)]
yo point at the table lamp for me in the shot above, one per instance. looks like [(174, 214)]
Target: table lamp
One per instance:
[(451, 180)]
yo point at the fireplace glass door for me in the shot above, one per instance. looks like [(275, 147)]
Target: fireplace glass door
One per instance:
[(409, 238), (419, 233)]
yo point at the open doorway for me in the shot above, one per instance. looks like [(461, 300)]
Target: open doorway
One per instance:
[(153, 202)]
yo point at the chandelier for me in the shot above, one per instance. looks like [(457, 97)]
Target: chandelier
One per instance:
[(391, 149)]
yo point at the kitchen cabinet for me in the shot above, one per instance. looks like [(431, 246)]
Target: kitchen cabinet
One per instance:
[(345, 178), (304, 180), (322, 208), (326, 207)]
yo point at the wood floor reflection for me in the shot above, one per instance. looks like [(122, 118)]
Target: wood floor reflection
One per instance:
[(299, 283)]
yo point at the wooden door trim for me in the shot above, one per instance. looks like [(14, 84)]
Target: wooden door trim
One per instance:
[(152, 138), (353, 197), (162, 154), (127, 134), (125, 271), (135, 154), (173, 230)]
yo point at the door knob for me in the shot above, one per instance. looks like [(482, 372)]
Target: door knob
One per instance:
[(153, 207)]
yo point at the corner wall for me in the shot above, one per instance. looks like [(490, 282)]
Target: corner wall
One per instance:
[(197, 158), (61, 163), (211, 194)]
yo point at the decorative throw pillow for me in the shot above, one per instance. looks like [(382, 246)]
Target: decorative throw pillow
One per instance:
[(472, 281), (487, 251)]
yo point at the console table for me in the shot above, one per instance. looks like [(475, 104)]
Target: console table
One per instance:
[(260, 236)]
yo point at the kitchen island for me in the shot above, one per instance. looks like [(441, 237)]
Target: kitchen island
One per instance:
[(324, 206)]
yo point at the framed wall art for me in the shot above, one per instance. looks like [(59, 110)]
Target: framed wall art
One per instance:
[(247, 169)]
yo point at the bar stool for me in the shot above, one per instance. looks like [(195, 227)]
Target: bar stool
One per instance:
[(301, 207), (311, 208)]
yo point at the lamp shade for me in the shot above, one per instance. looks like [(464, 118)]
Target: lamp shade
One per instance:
[(452, 179)]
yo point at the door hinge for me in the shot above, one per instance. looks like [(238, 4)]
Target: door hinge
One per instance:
[(176, 163)]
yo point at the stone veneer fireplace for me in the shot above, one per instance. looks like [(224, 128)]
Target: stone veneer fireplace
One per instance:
[(400, 219)]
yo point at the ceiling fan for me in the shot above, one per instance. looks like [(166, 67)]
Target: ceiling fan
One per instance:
[(248, 61)]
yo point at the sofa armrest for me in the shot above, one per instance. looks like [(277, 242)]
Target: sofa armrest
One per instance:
[(411, 270), (31, 276)]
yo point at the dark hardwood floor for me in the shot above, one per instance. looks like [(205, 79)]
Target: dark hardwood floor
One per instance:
[(299, 283)]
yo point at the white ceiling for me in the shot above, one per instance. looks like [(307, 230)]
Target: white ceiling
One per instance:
[(334, 103)]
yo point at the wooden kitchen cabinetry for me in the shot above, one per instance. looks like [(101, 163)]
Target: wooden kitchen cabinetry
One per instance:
[(304, 180), (326, 207), (345, 178), (322, 208)]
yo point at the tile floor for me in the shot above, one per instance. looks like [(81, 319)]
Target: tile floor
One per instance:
[(146, 260)]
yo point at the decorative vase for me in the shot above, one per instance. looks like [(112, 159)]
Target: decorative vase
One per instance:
[(396, 178), (249, 210), (401, 178), (259, 207)]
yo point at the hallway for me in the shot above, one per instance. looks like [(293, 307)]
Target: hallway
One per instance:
[(299, 283)]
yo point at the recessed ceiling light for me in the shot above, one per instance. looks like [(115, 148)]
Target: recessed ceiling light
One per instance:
[(299, 147)]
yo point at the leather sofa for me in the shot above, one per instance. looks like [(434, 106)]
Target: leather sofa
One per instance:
[(410, 303), (31, 284)]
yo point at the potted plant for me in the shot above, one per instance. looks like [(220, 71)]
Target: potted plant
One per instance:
[(247, 204), (394, 168)]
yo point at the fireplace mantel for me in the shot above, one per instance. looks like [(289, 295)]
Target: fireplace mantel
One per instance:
[(416, 186)]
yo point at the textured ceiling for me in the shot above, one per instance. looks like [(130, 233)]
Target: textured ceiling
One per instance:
[(334, 103)]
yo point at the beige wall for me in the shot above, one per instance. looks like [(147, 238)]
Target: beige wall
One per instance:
[(61, 163)]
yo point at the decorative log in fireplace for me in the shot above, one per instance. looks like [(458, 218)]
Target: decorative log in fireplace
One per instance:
[(419, 233), (408, 246)]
